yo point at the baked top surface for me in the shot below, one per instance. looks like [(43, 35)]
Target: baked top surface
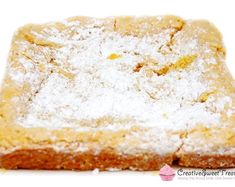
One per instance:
[(147, 80)]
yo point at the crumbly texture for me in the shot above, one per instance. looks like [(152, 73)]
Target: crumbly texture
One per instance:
[(207, 161), (105, 160), (122, 92)]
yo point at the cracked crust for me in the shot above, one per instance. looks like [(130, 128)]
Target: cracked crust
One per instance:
[(18, 144)]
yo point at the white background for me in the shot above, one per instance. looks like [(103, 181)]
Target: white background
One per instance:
[(19, 12)]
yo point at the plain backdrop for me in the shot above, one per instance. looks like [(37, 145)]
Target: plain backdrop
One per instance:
[(15, 13)]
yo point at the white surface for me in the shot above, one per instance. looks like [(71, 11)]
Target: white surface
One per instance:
[(19, 12)]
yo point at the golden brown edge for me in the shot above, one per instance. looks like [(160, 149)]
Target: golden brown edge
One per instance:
[(207, 161), (52, 160)]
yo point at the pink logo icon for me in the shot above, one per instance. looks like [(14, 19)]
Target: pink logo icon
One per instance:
[(167, 173)]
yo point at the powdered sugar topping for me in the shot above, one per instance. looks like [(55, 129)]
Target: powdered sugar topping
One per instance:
[(93, 78)]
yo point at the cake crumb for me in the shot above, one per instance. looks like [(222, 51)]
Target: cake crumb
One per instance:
[(96, 171)]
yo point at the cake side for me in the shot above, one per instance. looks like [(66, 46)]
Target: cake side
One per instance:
[(105, 161), (87, 86), (211, 145)]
